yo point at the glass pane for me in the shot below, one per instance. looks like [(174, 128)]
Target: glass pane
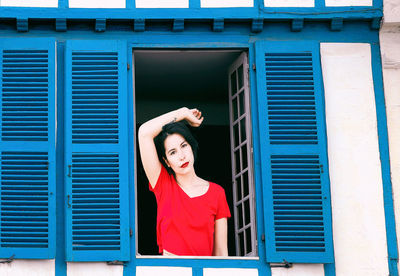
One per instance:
[(237, 161), (245, 181), (238, 188), (241, 243), (233, 83), (236, 134), (234, 109), (247, 212), (241, 103), (248, 240), (240, 215), (243, 129), (240, 76), (244, 156)]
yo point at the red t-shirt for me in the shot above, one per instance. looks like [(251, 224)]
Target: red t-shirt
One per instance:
[(185, 226)]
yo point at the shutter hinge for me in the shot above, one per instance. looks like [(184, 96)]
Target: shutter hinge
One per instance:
[(254, 66), (284, 264), (115, 263), (128, 66), (130, 232), (322, 168), (263, 237), (9, 260)]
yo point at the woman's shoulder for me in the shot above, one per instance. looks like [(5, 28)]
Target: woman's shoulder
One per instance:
[(216, 187)]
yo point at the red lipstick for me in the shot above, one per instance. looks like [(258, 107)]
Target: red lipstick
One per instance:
[(184, 165)]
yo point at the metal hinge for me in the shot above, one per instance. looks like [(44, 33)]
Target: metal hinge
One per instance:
[(284, 264), (9, 260), (254, 66), (115, 263), (128, 66), (130, 232)]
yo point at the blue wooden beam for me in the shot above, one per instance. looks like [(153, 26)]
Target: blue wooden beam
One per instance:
[(139, 25), (297, 24), (218, 25), (61, 24), (257, 25), (376, 23), (337, 24), (22, 25), (100, 25), (178, 25)]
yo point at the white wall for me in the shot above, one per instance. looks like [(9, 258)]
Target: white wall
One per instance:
[(359, 233), (29, 3), (389, 36), (28, 267), (93, 269), (96, 3), (299, 270), (344, 3)]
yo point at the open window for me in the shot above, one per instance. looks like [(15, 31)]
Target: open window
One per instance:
[(216, 82)]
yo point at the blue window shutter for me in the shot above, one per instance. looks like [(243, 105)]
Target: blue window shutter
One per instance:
[(27, 148), (96, 156), (295, 179)]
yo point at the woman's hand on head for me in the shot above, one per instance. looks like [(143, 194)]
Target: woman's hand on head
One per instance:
[(194, 117)]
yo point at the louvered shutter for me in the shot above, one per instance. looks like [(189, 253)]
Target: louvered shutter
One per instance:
[(96, 151), (27, 148), (294, 163)]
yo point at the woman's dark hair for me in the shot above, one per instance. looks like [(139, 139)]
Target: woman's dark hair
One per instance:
[(172, 128)]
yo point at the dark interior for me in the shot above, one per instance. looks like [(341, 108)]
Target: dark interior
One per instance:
[(162, 82)]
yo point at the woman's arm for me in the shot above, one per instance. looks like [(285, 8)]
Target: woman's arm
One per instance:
[(149, 130), (221, 237)]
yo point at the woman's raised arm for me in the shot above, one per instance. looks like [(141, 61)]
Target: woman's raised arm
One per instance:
[(149, 130)]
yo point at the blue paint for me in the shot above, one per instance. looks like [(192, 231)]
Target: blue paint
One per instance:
[(18, 148), (93, 154), (61, 24), (139, 25), (297, 24), (329, 269), (279, 150), (393, 255), (197, 271), (323, 13), (218, 25), (60, 264), (22, 24), (337, 24), (100, 25)]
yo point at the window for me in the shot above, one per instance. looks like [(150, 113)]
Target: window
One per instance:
[(289, 145), (217, 83)]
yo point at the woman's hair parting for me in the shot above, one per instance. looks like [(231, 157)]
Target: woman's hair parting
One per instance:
[(172, 128)]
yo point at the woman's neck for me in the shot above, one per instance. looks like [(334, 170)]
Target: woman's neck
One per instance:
[(186, 180)]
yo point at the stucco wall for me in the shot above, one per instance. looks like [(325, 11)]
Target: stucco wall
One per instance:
[(354, 165), (390, 51), (389, 36)]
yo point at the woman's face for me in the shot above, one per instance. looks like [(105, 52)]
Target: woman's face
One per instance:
[(179, 154)]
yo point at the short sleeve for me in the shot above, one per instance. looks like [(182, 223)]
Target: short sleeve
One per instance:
[(162, 178), (223, 208)]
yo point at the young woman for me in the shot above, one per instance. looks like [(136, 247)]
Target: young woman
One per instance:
[(191, 212)]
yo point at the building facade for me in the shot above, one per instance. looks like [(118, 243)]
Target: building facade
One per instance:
[(301, 103)]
